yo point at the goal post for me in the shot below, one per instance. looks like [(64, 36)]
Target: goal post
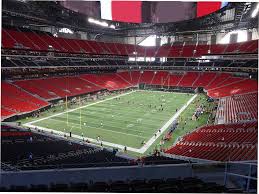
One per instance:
[(67, 110), (80, 116)]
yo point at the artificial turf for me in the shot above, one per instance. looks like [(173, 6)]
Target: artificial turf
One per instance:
[(127, 120)]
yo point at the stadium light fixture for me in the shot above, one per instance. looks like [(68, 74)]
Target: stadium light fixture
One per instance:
[(241, 36), (255, 12), (100, 23), (134, 53), (112, 26), (149, 41), (66, 30)]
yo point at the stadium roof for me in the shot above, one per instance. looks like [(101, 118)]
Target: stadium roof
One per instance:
[(51, 13)]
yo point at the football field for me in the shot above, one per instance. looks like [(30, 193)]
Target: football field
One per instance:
[(124, 120)]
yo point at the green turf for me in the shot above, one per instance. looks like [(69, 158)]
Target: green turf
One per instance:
[(127, 121), (201, 99)]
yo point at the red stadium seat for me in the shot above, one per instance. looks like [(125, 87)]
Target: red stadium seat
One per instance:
[(226, 142)]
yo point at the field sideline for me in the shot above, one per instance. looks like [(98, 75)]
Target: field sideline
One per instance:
[(124, 120)]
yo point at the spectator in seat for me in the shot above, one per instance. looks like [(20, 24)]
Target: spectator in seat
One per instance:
[(31, 157)]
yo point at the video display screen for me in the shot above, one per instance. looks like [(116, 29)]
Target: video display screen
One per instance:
[(144, 11)]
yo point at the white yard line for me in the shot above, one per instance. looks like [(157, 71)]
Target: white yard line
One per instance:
[(142, 150), (85, 138), (129, 129), (75, 124), (163, 129), (79, 107)]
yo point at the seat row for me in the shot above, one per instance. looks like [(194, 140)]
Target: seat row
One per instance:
[(45, 150), (16, 100), (31, 40), (27, 95), (225, 142), (238, 108), (170, 185)]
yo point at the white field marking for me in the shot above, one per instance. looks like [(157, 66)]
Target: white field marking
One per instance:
[(141, 150), (85, 138), (75, 124), (132, 120), (79, 107), (144, 148), (130, 125), (100, 128)]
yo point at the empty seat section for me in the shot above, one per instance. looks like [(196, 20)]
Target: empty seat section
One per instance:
[(85, 46), (35, 38), (163, 51), (229, 80), (220, 77), (242, 87), (48, 85), (65, 45), (131, 49), (22, 39), (140, 50), (7, 40), (6, 113), (225, 142), (96, 47), (111, 82), (35, 89), (126, 76), (201, 50), (238, 108), (160, 78), (175, 51), (18, 93), (173, 79), (43, 41), (53, 44), (150, 51), (105, 49), (77, 86), (188, 50), (217, 49), (74, 45), (121, 48), (135, 77), (188, 79), (232, 48), (249, 47), (146, 77), (112, 48), (204, 79), (99, 80), (17, 100)]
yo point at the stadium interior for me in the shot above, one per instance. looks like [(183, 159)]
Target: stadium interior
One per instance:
[(97, 105)]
